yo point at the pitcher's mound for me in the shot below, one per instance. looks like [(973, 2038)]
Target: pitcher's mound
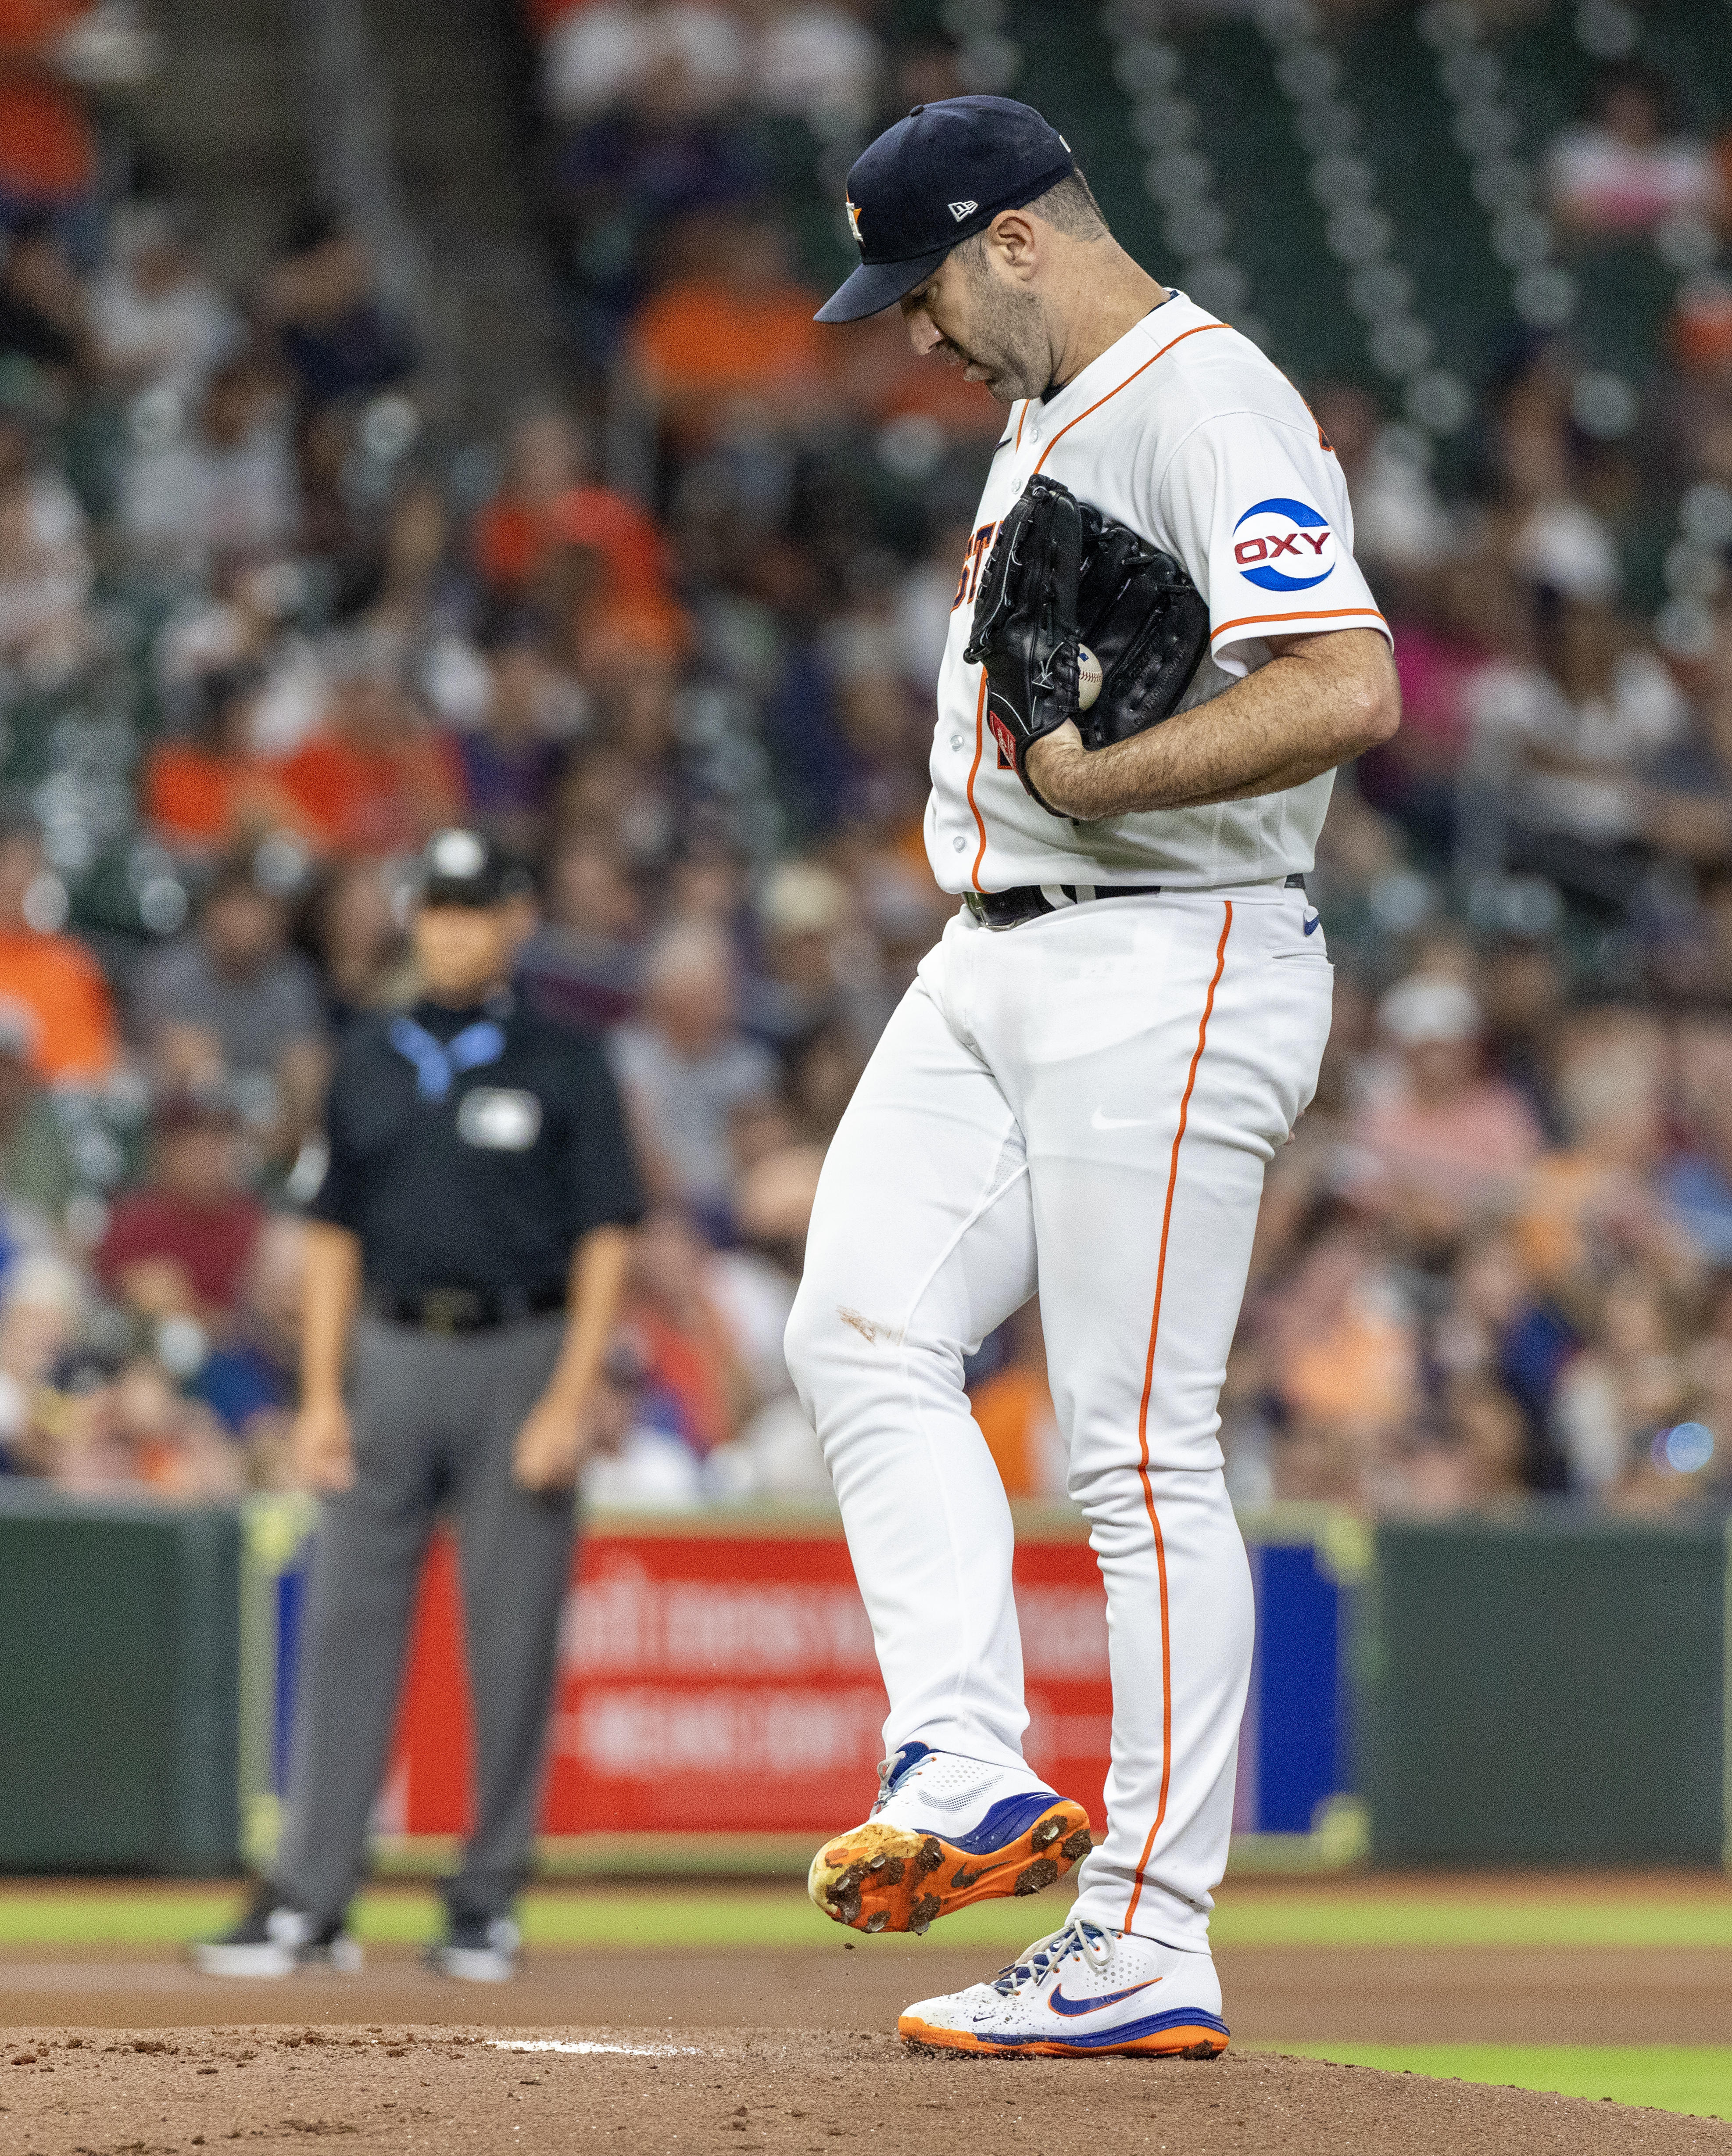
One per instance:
[(550, 2091)]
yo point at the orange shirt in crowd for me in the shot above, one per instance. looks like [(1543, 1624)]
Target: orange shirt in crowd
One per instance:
[(372, 801), (195, 798), (47, 152), (514, 538), (60, 984), (1359, 1374), (1566, 1202), (703, 339), (1014, 1410)]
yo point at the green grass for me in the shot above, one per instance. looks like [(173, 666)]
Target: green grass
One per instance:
[(410, 1916), (99, 1919), (1480, 1916), (1666, 2076), (774, 1917)]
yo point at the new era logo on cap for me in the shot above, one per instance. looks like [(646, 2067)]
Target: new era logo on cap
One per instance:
[(959, 210)]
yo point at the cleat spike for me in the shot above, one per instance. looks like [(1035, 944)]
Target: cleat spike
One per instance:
[(884, 1877)]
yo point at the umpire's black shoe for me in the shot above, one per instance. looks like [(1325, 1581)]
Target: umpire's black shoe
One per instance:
[(478, 1950), (274, 1940)]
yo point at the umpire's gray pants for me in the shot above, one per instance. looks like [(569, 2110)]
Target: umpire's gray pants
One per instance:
[(433, 1417)]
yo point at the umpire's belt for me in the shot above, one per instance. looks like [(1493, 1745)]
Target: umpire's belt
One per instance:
[(1028, 901), (463, 1309)]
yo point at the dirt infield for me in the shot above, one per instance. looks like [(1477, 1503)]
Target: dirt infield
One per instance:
[(397, 2090), (1297, 1995), (756, 2045)]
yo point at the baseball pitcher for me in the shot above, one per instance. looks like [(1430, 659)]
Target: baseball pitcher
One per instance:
[(1160, 650)]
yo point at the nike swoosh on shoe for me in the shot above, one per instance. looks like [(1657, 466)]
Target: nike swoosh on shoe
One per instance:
[(1060, 2004)]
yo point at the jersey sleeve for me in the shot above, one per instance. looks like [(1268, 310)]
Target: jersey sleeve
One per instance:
[(341, 1199), (608, 1194), (1257, 511)]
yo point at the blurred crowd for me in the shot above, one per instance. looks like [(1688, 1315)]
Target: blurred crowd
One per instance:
[(671, 639)]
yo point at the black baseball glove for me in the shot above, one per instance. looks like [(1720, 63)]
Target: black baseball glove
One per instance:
[(1024, 620), (1060, 575)]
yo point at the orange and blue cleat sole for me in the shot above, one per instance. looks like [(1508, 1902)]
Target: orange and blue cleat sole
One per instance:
[(882, 1878), (1170, 2036)]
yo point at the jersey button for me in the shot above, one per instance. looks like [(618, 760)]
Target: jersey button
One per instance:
[(955, 741), (957, 844)]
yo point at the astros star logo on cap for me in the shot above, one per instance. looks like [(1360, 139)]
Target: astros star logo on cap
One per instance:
[(853, 221)]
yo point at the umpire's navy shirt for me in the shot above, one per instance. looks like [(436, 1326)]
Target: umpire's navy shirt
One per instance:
[(492, 1187)]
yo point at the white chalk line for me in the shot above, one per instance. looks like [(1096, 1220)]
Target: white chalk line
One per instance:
[(585, 2050)]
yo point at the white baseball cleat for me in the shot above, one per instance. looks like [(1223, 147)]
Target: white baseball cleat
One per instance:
[(478, 1950), (1081, 1992), (947, 1830), (274, 1940)]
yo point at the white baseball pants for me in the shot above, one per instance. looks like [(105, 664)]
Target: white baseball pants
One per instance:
[(1084, 1104)]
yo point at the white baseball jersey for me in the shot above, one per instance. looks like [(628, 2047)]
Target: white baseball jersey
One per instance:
[(1185, 432)]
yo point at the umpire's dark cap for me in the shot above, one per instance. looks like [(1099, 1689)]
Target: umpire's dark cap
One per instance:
[(465, 868), (940, 175)]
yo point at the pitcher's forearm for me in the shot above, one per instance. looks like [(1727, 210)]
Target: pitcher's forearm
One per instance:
[(1320, 701)]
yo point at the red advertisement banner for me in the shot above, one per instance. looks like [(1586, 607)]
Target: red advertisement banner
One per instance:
[(723, 1683)]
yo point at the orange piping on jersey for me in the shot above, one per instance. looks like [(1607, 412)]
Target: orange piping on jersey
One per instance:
[(1020, 417), (1142, 1422), (1323, 442), (980, 743), (1332, 614), (1124, 384)]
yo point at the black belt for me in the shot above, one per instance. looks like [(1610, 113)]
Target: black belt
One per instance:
[(463, 1309), (1028, 901)]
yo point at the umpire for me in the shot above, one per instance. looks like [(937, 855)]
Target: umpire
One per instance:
[(467, 1251)]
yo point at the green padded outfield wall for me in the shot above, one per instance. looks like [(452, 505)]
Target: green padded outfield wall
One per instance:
[(119, 1684), (1546, 1691)]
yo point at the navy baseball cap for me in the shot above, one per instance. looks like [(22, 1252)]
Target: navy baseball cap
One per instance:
[(938, 177)]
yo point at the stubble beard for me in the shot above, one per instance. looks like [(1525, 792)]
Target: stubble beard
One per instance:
[(1009, 339)]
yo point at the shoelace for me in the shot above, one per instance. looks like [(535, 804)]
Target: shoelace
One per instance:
[(1079, 1936), (890, 1772)]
